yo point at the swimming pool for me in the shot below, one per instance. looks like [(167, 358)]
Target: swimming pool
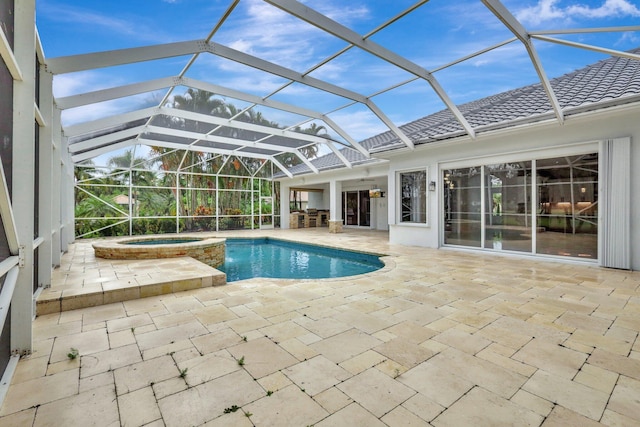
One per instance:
[(273, 258)]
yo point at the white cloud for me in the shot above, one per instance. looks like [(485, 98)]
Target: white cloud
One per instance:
[(545, 10), (343, 12), (101, 110), (268, 33), (628, 38), (550, 10), (79, 17), (511, 55), (87, 81), (91, 112), (276, 36), (332, 70), (610, 8), (359, 124), (66, 85), (80, 82)]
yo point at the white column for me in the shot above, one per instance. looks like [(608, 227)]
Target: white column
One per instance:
[(23, 173), (56, 171), (391, 198), (284, 205), (67, 203), (46, 190), (64, 240), (335, 206), (335, 200), (71, 206)]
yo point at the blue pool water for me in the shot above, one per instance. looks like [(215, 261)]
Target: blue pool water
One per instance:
[(247, 258)]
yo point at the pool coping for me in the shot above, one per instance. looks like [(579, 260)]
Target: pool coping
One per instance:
[(378, 254), (196, 274), (209, 250)]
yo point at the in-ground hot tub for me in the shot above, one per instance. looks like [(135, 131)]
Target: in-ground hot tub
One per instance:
[(210, 251)]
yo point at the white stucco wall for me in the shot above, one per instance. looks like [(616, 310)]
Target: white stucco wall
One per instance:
[(319, 200), (541, 140), (381, 208), (537, 140)]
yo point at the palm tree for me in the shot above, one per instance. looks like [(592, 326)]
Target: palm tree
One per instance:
[(122, 161), (85, 173), (202, 102), (310, 151), (135, 178), (195, 100), (314, 129), (126, 161), (199, 101)]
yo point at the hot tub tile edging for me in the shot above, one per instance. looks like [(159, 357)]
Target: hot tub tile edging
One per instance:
[(210, 251)]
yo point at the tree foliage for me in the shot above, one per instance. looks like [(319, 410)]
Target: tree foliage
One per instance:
[(204, 185)]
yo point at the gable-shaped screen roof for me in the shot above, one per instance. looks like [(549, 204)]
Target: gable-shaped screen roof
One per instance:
[(610, 82), (272, 100)]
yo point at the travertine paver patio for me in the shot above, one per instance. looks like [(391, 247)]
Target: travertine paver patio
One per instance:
[(438, 337), (84, 280)]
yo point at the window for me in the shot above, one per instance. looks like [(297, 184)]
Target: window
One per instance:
[(413, 196)]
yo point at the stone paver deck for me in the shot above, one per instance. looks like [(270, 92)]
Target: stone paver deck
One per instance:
[(436, 338), (84, 280)]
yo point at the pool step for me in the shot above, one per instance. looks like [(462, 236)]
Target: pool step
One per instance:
[(109, 281)]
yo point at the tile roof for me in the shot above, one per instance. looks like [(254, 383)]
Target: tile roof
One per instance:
[(612, 81)]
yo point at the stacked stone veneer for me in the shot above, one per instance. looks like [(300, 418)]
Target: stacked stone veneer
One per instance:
[(208, 251), (335, 226)]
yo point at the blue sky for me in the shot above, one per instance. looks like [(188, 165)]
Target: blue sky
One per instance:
[(437, 33)]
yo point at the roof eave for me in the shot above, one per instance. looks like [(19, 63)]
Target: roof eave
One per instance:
[(544, 119), (355, 164)]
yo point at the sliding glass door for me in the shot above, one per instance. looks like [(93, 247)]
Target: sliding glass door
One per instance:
[(544, 206), (567, 217), (357, 208), (507, 207), (462, 206)]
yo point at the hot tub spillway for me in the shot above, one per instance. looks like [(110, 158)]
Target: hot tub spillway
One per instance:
[(210, 251)]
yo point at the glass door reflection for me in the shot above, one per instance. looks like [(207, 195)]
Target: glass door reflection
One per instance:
[(507, 209)]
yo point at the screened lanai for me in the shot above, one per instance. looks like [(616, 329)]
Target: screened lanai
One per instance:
[(123, 118), (188, 135)]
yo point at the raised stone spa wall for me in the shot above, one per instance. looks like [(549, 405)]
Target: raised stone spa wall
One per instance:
[(208, 251)]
